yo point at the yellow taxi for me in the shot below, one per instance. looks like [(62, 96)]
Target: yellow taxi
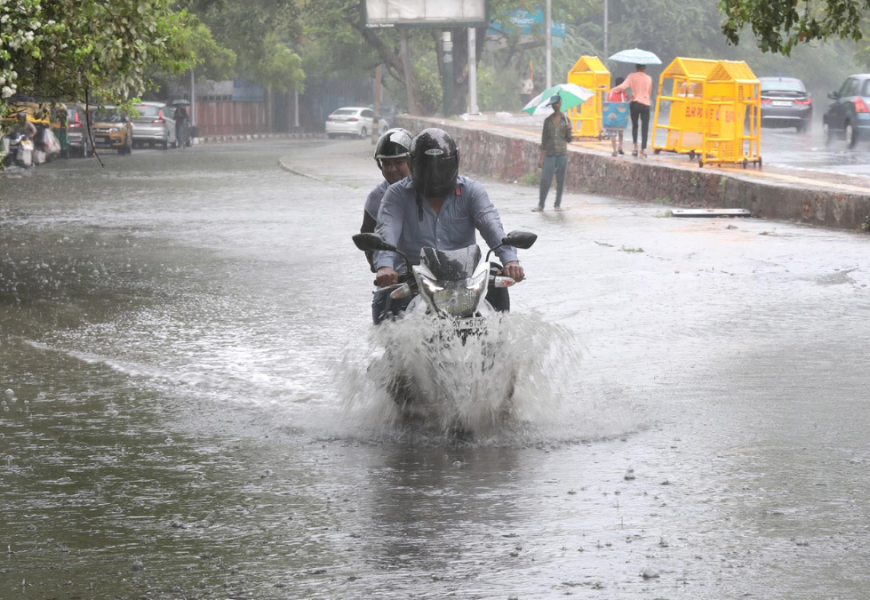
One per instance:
[(111, 129)]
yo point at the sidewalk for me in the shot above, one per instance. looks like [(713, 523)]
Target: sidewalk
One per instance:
[(220, 139), (510, 151)]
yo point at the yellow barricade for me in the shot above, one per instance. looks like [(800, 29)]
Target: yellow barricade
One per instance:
[(590, 73), (732, 109), (681, 95)]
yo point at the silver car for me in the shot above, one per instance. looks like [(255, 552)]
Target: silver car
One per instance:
[(155, 125)]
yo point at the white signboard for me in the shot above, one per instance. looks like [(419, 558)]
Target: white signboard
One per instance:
[(425, 13)]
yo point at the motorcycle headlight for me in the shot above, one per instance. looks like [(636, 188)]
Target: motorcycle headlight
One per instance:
[(457, 298)]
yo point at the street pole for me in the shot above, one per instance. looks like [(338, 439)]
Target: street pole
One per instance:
[(376, 122), (472, 72), (192, 99), (408, 73), (296, 108), (548, 25), (447, 40), (606, 22)]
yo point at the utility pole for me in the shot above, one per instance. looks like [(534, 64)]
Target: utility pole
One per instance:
[(548, 25), (192, 99), (295, 108), (447, 40), (406, 67), (606, 23), (472, 72), (376, 122)]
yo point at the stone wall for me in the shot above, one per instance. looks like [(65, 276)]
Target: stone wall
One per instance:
[(500, 155)]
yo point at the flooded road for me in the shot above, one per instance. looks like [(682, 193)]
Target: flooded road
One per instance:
[(180, 334)]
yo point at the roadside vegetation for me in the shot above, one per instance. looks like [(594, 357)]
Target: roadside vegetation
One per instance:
[(114, 51)]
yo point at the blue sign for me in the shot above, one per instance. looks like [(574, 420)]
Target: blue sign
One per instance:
[(525, 23)]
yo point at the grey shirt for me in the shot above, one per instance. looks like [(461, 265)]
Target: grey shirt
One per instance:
[(450, 229), (373, 202)]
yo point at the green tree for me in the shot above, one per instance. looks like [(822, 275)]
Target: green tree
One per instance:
[(89, 49), (260, 33), (780, 25)]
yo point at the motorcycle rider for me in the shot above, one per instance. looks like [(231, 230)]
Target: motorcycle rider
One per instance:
[(391, 155), (439, 208)]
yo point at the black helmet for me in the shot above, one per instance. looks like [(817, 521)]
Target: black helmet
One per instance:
[(395, 143), (434, 163)]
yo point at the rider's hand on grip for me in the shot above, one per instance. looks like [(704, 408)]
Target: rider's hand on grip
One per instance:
[(386, 276)]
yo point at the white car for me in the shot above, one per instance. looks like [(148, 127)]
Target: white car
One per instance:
[(354, 121), (154, 125)]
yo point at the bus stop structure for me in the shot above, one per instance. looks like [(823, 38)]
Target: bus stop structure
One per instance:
[(590, 73), (681, 89), (732, 115)]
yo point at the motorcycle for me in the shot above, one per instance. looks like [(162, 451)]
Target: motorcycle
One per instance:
[(446, 290), (17, 150)]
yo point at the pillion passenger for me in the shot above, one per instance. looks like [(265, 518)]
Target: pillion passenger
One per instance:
[(391, 155)]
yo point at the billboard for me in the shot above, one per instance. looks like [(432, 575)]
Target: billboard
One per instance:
[(425, 13)]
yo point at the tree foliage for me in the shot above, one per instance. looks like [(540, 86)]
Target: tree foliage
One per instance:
[(780, 25), (85, 48), (260, 34)]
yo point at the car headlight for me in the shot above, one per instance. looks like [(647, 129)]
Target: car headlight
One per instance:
[(113, 130)]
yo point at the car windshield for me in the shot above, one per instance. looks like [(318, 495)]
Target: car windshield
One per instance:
[(344, 112), (865, 91), (147, 110), (782, 86), (105, 116)]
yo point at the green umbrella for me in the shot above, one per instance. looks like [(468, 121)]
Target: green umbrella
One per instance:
[(572, 95)]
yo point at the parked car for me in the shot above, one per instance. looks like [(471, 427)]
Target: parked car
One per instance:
[(354, 121), (848, 115), (112, 129), (785, 102), (77, 131), (155, 124)]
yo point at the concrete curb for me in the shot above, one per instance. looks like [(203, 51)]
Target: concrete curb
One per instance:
[(285, 166), (221, 139), (508, 157)]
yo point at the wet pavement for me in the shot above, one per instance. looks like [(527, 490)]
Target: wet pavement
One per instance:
[(182, 340)]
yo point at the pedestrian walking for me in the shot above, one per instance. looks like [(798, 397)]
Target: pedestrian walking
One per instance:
[(181, 129), (526, 88), (641, 89), (616, 134), (554, 153)]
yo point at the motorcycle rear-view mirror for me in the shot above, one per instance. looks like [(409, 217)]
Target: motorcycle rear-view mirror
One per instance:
[(520, 239), (371, 242)]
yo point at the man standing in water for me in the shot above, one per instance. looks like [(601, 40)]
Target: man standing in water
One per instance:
[(439, 208), (554, 153)]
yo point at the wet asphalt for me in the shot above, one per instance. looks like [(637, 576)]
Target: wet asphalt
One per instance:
[(178, 335)]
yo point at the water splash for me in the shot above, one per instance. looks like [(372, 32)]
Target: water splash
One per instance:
[(518, 383)]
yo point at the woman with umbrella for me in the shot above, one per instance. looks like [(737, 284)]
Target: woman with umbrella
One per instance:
[(641, 89)]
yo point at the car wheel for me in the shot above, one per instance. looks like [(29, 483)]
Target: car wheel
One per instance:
[(851, 135), (363, 133), (827, 135), (165, 145)]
